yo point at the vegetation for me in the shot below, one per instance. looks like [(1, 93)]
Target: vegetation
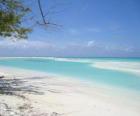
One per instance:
[(11, 15)]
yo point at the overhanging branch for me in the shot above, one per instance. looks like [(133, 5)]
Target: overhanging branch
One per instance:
[(41, 11)]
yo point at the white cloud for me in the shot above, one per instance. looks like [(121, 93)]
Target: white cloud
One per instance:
[(99, 46), (90, 43), (91, 47), (24, 44), (30, 44)]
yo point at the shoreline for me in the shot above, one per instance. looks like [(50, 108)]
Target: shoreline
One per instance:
[(68, 97)]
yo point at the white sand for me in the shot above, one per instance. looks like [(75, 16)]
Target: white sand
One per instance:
[(130, 67), (67, 97)]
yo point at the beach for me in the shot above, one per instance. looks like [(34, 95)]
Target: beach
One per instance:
[(69, 57), (40, 94)]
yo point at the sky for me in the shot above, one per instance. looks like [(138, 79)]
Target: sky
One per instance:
[(88, 28)]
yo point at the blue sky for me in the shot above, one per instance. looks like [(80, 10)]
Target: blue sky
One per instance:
[(90, 28)]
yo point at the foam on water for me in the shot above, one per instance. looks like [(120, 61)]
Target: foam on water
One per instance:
[(70, 59)]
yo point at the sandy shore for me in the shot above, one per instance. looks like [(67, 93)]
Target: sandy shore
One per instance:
[(42, 95), (130, 67)]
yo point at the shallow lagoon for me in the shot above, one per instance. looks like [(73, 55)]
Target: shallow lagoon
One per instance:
[(85, 69)]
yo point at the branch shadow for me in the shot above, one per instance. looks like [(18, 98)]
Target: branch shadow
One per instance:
[(12, 86)]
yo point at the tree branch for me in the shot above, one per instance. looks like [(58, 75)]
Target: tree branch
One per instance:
[(43, 15), (41, 11)]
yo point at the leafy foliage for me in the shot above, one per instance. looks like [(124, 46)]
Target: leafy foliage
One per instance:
[(11, 15)]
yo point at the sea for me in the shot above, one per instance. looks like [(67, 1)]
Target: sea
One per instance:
[(123, 73)]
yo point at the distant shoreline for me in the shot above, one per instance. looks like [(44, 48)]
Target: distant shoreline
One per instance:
[(64, 57)]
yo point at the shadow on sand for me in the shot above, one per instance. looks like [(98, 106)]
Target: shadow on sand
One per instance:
[(13, 86)]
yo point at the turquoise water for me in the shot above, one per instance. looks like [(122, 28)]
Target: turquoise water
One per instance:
[(82, 68)]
